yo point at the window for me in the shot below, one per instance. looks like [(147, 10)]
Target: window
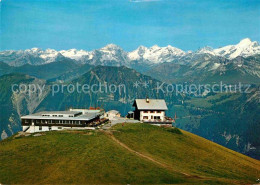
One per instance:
[(40, 127), (146, 111), (59, 127), (159, 111), (151, 111), (145, 117), (151, 117), (60, 115), (157, 117)]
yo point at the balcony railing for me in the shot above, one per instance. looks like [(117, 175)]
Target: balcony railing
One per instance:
[(158, 121)]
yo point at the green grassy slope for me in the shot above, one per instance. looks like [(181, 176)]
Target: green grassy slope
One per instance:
[(230, 119), (189, 153), (93, 157), (84, 157)]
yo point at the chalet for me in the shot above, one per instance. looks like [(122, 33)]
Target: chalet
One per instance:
[(112, 114), (59, 120), (150, 110)]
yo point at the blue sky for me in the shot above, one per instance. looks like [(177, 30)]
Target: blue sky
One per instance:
[(91, 24)]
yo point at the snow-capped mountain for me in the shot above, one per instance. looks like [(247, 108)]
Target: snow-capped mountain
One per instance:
[(49, 55), (206, 50), (77, 54), (156, 54), (244, 48), (109, 55), (116, 56)]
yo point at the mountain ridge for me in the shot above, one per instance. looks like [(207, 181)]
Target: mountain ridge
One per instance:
[(112, 54)]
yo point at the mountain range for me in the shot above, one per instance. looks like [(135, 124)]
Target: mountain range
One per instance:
[(231, 64), (116, 56)]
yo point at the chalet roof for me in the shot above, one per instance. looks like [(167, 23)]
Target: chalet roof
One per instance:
[(113, 111), (152, 104)]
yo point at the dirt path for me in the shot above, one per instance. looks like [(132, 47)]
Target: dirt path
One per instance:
[(110, 134)]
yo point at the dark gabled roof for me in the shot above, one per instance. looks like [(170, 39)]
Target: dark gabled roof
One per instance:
[(152, 104)]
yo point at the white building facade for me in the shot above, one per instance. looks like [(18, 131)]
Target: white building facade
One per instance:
[(150, 110), (59, 120), (151, 115)]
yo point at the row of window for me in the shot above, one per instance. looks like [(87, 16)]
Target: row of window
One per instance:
[(40, 128), (152, 117), (47, 115), (152, 111), (41, 121), (58, 121)]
